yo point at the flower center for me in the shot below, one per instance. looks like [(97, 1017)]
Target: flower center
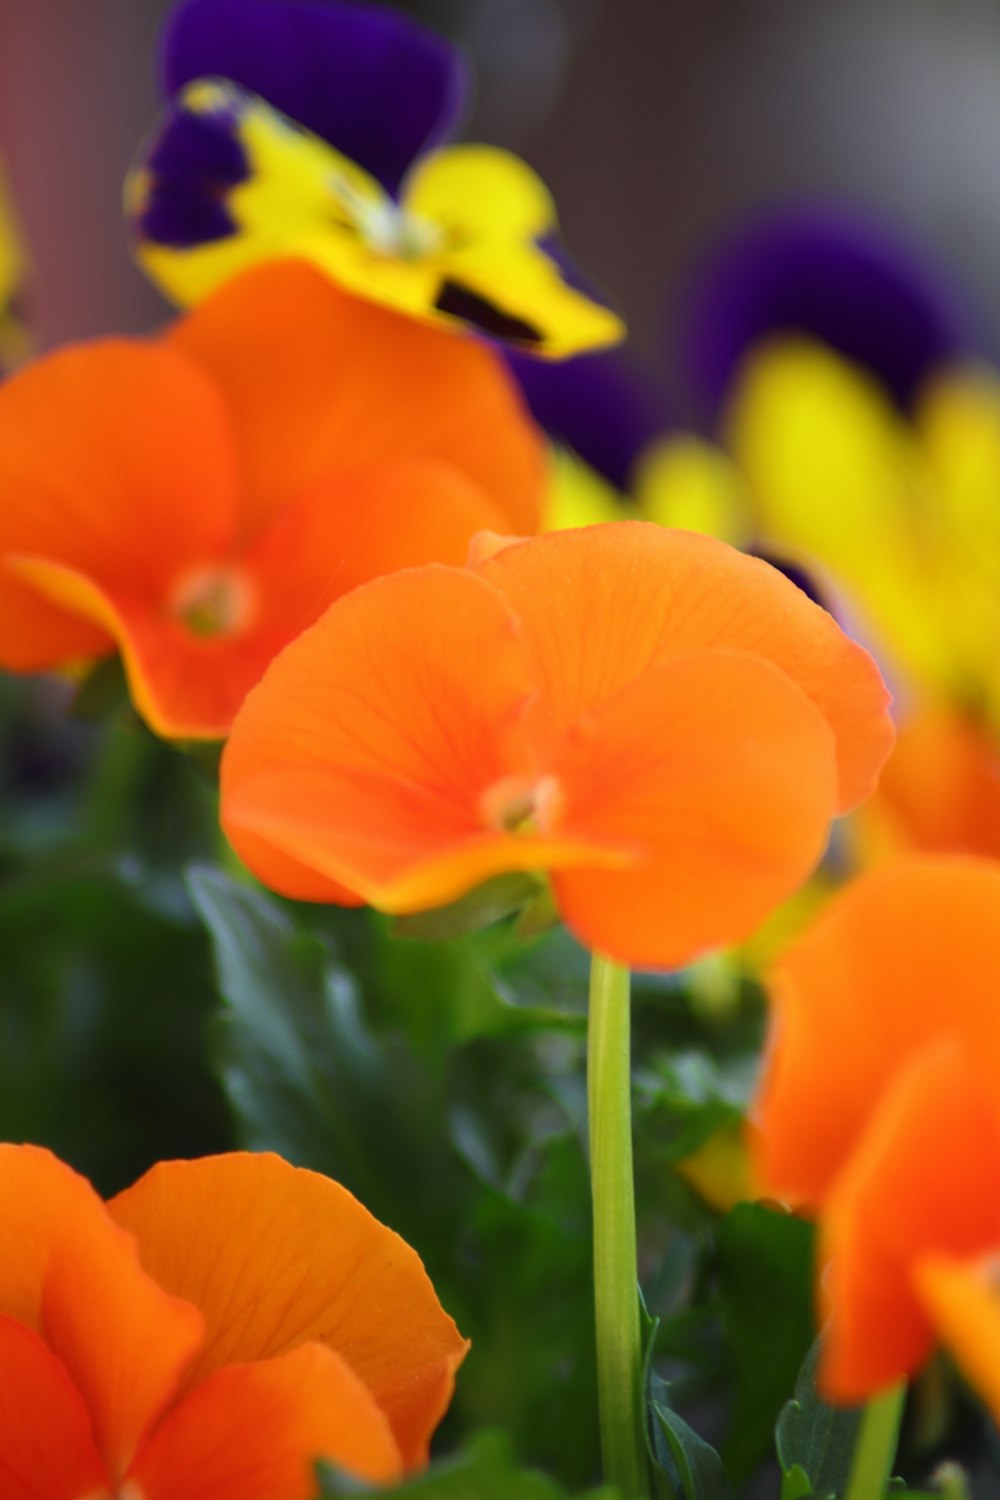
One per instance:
[(521, 804), (213, 602), (385, 226)]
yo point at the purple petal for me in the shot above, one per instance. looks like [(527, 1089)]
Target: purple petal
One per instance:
[(824, 271), (604, 406), (377, 86), (195, 162)]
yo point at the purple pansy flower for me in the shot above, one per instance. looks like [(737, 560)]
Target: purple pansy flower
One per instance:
[(382, 90), (379, 87), (832, 273)]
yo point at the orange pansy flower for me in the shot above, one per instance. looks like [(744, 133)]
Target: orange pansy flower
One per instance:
[(878, 1110), (664, 724), (197, 499), (209, 1333)]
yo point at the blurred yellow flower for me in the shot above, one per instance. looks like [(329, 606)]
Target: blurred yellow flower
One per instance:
[(577, 495), (900, 520)]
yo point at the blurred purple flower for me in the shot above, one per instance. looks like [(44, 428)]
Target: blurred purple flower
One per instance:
[(825, 271), (377, 86), (604, 406)]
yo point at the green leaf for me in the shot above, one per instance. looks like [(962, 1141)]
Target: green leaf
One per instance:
[(488, 903), (692, 1465), (815, 1442), (105, 998), (303, 1073), (485, 1470), (686, 1096), (764, 1272)]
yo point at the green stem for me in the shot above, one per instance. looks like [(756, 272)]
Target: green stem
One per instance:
[(875, 1452), (616, 1296)]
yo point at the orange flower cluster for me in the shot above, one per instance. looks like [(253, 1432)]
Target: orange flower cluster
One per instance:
[(198, 499), (879, 1112), (209, 1333), (664, 724)]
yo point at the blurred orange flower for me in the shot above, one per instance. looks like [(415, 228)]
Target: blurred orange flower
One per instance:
[(939, 792), (665, 725), (879, 1111), (198, 499), (209, 1333)]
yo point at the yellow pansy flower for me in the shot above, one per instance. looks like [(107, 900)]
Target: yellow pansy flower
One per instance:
[(229, 181)]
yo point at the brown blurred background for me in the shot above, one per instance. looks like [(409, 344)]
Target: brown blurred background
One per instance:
[(657, 122)]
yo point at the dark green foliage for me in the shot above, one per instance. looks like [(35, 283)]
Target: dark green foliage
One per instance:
[(815, 1442), (765, 1274), (484, 1470), (475, 1158)]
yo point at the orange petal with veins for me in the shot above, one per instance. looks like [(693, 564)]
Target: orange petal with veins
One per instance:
[(720, 769), (370, 751), (253, 1432), (600, 604), (275, 1256)]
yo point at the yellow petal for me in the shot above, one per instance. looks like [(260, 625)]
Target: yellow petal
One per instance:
[(480, 193), (959, 422), (524, 285), (840, 482)]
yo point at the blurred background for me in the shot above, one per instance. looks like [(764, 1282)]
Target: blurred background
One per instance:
[(659, 126)]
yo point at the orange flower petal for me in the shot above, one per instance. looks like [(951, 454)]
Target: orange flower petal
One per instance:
[(939, 791), (184, 687), (352, 529), (359, 525), (902, 959), (318, 381), (390, 803), (601, 603), (255, 1431), (722, 771), (71, 1274), (924, 1179), (116, 461), (275, 1256), (47, 1447), (960, 1297)]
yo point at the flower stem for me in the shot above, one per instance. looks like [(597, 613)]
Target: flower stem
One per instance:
[(875, 1453), (616, 1295)]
